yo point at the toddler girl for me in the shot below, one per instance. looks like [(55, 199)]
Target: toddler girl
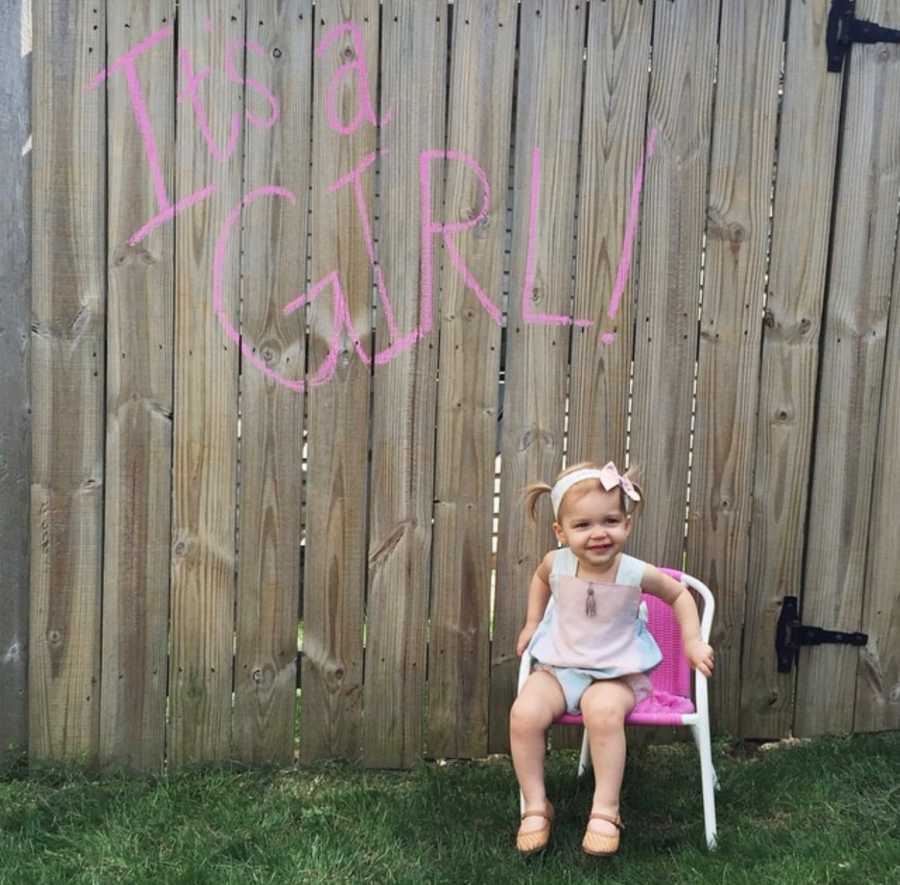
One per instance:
[(594, 653)]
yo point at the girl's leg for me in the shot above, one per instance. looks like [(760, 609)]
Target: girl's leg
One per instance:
[(537, 705), (604, 706)]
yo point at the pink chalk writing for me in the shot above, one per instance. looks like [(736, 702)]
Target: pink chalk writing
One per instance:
[(630, 230), (354, 177), (430, 227), (191, 94), (254, 85), (341, 319), (126, 61), (365, 110), (529, 315), (219, 255), (127, 64), (169, 213)]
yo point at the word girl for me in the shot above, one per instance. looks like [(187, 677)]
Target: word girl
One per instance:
[(594, 651)]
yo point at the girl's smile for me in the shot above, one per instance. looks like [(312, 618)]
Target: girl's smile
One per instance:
[(593, 526)]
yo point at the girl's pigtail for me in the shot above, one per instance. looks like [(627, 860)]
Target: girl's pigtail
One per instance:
[(532, 493)]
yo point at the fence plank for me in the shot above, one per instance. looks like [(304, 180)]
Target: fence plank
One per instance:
[(684, 57), (279, 56), (335, 585), (67, 345), (852, 354), (206, 363), (807, 140), (137, 509), (878, 674), (15, 423), (414, 40), (743, 147), (481, 90), (613, 136), (547, 125)]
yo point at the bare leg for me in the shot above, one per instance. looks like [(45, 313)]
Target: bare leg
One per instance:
[(537, 705), (604, 706)]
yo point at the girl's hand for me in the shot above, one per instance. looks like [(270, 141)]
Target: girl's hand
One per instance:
[(700, 656), (524, 638)]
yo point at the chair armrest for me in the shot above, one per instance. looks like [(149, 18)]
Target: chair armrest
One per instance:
[(701, 693), (709, 604)]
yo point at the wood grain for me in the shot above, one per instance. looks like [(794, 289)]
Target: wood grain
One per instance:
[(67, 359), (743, 147), (878, 673), (684, 58), (807, 141), (481, 90), (852, 367), (336, 497), (548, 120), (613, 139), (206, 398), (138, 500), (273, 270), (15, 396), (413, 79)]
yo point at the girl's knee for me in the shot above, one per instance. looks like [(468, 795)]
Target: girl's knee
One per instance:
[(603, 717), (527, 714)]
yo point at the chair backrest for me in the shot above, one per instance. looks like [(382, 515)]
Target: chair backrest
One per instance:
[(673, 675)]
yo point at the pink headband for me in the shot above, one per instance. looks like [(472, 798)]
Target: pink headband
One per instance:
[(608, 475)]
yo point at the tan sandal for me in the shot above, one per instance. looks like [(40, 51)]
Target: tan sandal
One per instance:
[(530, 843), (599, 844)]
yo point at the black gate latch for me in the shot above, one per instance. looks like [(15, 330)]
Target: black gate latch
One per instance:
[(844, 28), (791, 634)]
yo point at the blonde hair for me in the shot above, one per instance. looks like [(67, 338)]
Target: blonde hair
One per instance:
[(533, 492)]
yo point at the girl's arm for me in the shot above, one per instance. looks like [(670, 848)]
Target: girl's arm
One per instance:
[(675, 594), (538, 596)]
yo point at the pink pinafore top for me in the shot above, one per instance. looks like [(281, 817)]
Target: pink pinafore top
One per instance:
[(595, 625)]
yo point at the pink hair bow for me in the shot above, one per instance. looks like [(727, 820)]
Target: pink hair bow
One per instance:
[(610, 478)]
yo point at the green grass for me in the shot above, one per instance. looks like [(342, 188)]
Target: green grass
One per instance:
[(825, 811)]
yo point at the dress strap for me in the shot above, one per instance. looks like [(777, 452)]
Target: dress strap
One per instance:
[(631, 571), (564, 563)]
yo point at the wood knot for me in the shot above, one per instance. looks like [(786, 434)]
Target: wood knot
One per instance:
[(270, 353)]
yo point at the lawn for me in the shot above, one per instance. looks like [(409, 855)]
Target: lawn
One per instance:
[(824, 811)]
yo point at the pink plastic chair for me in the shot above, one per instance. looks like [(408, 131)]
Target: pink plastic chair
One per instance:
[(670, 703)]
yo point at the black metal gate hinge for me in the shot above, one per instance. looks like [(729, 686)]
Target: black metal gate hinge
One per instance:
[(790, 634), (844, 29)]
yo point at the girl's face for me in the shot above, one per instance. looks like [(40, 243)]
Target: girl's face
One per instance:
[(594, 527)]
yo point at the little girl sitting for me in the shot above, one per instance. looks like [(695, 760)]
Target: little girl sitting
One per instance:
[(594, 653)]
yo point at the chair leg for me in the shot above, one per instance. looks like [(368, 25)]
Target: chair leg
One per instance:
[(700, 732), (585, 759)]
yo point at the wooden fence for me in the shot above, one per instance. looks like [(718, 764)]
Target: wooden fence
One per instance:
[(314, 289)]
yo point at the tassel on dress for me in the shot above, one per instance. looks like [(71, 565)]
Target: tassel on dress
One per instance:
[(590, 604)]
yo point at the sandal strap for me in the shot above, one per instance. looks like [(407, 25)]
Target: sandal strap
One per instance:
[(546, 813), (615, 821)]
